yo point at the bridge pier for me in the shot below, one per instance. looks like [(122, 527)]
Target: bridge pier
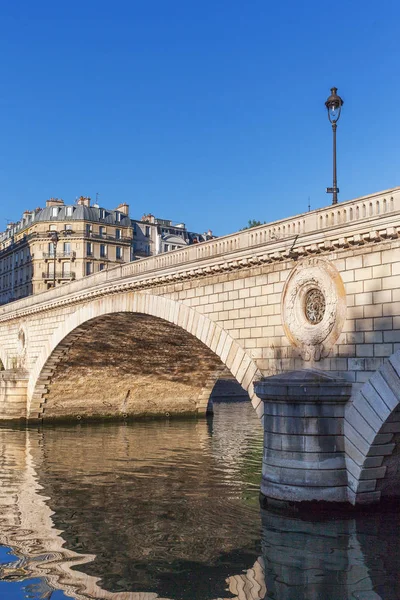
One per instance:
[(304, 455), (13, 392)]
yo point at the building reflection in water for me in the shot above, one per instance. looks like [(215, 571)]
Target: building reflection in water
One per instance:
[(170, 511)]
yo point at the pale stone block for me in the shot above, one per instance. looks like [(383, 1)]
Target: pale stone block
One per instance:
[(256, 332), (355, 312), (383, 323), (256, 291), (347, 276), (392, 336), (383, 349), (238, 303), (278, 287), (373, 310), (390, 256), (373, 337), (244, 293), (355, 262), (372, 260), (274, 277), (238, 323), (221, 342), (396, 268), (362, 274), (391, 309), (242, 368), (234, 359), (249, 302), (391, 283), (215, 339), (347, 349), (373, 285), (363, 299), (384, 270), (364, 324), (238, 284), (364, 350)]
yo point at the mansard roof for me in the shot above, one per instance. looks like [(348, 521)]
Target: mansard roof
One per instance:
[(84, 213)]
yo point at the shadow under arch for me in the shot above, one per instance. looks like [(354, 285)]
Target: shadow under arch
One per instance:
[(372, 436), (173, 319)]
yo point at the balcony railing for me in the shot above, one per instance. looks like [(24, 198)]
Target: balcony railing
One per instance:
[(59, 276), (104, 236), (59, 255)]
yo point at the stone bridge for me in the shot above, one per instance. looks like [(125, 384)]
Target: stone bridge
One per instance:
[(319, 291)]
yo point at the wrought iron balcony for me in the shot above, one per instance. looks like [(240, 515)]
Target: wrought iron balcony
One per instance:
[(59, 276), (71, 255)]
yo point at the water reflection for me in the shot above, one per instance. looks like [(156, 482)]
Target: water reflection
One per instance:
[(169, 510)]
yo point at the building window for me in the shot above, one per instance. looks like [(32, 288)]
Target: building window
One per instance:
[(118, 251), (101, 266), (66, 269), (67, 248), (53, 228), (89, 249), (69, 211), (165, 247), (147, 233), (102, 231), (88, 229), (103, 251), (102, 213), (54, 211), (119, 216), (118, 234), (68, 227), (89, 268), (50, 247)]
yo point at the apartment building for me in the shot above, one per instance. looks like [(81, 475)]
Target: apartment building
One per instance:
[(60, 243), (152, 235)]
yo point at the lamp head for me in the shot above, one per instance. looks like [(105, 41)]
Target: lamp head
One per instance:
[(334, 106)]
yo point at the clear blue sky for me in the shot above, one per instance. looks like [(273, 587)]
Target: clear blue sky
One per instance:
[(209, 112)]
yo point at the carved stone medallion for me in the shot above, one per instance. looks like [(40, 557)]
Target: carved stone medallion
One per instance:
[(313, 307)]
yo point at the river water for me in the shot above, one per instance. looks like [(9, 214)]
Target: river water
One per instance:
[(169, 510)]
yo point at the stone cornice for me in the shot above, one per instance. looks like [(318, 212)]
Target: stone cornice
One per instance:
[(118, 280)]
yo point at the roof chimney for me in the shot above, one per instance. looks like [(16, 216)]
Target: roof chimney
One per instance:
[(84, 201), (124, 208), (55, 202)]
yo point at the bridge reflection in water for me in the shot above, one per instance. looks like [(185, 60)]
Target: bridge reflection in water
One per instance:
[(169, 510)]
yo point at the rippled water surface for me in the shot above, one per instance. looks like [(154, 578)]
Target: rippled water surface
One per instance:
[(169, 510)]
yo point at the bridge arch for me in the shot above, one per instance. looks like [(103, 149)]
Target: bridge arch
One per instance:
[(207, 334), (372, 436)]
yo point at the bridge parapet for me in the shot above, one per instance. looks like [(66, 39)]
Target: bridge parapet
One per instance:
[(354, 223)]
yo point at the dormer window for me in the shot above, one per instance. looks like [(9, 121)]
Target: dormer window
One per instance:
[(102, 213), (54, 211), (119, 216), (69, 211)]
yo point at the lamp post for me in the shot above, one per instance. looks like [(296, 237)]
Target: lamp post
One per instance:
[(334, 106), (53, 235)]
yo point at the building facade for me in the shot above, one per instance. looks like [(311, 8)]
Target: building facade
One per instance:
[(152, 235), (60, 243)]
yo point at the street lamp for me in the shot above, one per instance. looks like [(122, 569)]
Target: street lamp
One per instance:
[(334, 106), (54, 239), (53, 235)]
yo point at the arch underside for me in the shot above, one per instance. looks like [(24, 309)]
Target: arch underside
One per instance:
[(127, 364), (372, 436)]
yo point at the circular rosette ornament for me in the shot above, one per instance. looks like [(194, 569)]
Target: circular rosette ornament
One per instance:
[(314, 307)]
